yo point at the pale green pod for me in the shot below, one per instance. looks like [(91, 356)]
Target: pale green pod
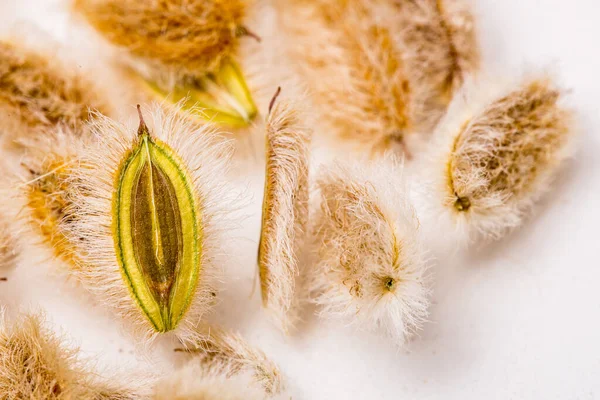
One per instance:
[(156, 232)]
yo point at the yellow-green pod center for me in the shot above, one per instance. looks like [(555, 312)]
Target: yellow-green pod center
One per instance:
[(221, 97), (156, 231)]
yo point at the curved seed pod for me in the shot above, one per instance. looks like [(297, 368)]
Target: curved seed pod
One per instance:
[(498, 149), (184, 51), (230, 354), (381, 72), (36, 364), (371, 268), (285, 212), (148, 205), (37, 94)]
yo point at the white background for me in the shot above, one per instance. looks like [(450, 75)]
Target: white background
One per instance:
[(518, 319)]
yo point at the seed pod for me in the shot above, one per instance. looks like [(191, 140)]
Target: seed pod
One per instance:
[(36, 364), (371, 268), (148, 206), (196, 382), (229, 353), (382, 72), (285, 212), (183, 51), (38, 94), (498, 149)]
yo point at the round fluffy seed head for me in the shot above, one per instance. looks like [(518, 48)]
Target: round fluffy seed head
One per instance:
[(195, 35), (382, 72), (285, 212), (37, 94), (36, 364), (500, 147), (371, 269), (149, 203)]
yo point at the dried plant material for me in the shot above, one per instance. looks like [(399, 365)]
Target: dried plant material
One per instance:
[(49, 161), (499, 147), (36, 364), (8, 248), (230, 354), (285, 211), (37, 94), (371, 268), (193, 382), (381, 72), (148, 204), (184, 51)]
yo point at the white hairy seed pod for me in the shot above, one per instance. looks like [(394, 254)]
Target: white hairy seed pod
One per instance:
[(381, 72), (35, 363), (496, 152), (149, 207), (371, 268), (285, 211)]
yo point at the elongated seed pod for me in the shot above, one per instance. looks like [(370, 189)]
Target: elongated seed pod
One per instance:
[(371, 267), (183, 51), (381, 72), (285, 212), (149, 204), (194, 382), (497, 150), (35, 363), (38, 93), (229, 353)]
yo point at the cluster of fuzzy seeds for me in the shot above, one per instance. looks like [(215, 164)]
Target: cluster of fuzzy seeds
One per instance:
[(140, 212)]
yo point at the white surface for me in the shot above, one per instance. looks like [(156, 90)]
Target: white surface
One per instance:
[(517, 319)]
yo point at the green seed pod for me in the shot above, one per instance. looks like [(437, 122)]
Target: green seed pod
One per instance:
[(184, 52)]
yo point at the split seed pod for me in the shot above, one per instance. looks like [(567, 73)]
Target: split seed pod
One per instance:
[(150, 204), (37, 94), (382, 72), (36, 364), (285, 212), (498, 149), (371, 268), (182, 50)]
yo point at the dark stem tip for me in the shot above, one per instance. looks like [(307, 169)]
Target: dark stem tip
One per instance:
[(143, 129), (274, 99)]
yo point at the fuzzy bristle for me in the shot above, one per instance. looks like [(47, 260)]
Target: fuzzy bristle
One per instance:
[(40, 94), (285, 212), (36, 364), (381, 72), (204, 156), (499, 149), (231, 354), (371, 268), (8, 248), (194, 35), (195, 382)]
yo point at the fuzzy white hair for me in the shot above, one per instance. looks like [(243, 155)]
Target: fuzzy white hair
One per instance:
[(204, 155), (371, 269), (285, 212), (494, 155)]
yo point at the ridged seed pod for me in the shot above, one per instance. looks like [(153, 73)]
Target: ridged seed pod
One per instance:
[(381, 72), (371, 267), (497, 150)]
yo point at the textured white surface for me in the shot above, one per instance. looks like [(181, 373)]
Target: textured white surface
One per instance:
[(517, 319)]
